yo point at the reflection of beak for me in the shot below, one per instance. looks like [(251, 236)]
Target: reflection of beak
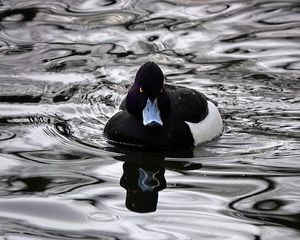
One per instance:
[(151, 114)]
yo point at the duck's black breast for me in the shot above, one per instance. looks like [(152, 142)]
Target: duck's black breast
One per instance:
[(125, 128), (186, 105)]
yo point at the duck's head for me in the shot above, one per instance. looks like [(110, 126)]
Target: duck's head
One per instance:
[(147, 97)]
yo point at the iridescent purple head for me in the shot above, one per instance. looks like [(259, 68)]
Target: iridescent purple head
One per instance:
[(147, 97)]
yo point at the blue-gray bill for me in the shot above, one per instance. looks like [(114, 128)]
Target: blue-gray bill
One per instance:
[(151, 114)]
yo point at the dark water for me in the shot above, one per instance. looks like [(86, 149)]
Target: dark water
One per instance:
[(64, 68)]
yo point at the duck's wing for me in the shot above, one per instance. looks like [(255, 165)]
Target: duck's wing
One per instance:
[(172, 88), (188, 104)]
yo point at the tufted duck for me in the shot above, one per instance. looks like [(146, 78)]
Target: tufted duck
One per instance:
[(159, 116)]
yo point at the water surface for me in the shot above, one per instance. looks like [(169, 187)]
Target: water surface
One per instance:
[(66, 65)]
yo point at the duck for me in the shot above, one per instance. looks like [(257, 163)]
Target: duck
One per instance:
[(156, 115)]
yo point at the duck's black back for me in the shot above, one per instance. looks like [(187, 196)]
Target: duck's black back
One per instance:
[(188, 104)]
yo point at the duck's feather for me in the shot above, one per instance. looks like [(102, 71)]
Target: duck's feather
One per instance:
[(190, 104), (208, 128)]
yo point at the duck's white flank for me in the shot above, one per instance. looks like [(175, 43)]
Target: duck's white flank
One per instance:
[(209, 128)]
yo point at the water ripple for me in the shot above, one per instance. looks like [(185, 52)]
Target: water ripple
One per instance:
[(66, 66)]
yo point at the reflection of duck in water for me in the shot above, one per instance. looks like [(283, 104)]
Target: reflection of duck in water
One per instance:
[(142, 184), (155, 115), (143, 177)]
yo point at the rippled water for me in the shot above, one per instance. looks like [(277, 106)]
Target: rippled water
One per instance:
[(64, 68)]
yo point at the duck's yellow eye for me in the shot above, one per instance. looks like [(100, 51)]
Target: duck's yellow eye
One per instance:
[(141, 90)]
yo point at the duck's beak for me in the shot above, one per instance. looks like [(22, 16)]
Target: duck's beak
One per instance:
[(151, 114)]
